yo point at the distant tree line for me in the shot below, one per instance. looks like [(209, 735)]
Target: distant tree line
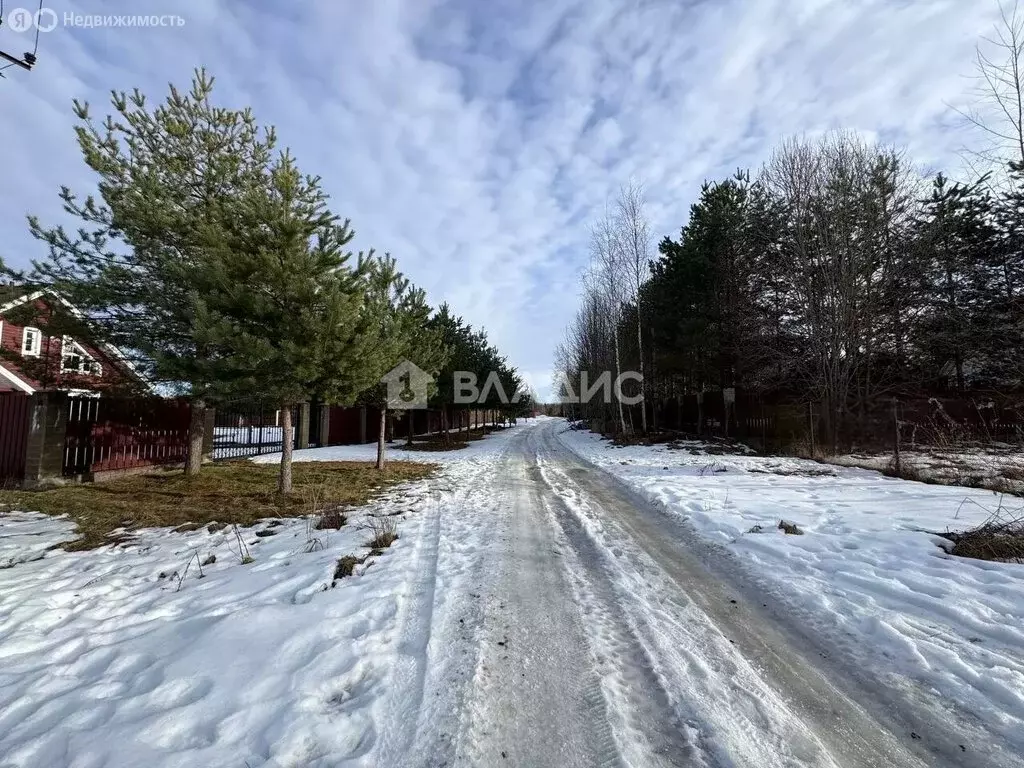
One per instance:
[(836, 275)]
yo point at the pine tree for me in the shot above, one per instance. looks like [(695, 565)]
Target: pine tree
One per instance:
[(954, 240), (166, 176), (1002, 280), (399, 314), (285, 314)]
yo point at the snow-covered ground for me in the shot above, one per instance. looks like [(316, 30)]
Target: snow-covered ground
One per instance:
[(865, 576), (395, 452), (533, 613), (108, 659)]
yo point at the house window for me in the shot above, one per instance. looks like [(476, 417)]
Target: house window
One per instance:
[(74, 359), (31, 342)]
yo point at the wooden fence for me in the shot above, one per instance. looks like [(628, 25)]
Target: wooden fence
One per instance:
[(51, 435), (104, 434)]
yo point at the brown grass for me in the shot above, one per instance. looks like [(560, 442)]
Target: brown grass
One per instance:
[(456, 441), (383, 532), (1000, 538), (347, 565), (435, 447), (235, 492)]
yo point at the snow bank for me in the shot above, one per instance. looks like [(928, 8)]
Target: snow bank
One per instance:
[(865, 574), (124, 656), (997, 467)]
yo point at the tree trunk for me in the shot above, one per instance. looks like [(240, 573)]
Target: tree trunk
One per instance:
[(618, 373), (380, 438), (655, 400), (409, 420), (643, 381), (196, 433), (284, 478)]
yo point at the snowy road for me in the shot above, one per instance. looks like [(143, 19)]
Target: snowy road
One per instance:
[(570, 624)]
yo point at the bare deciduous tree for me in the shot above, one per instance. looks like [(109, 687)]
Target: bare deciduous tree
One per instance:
[(633, 250), (607, 287), (999, 111)]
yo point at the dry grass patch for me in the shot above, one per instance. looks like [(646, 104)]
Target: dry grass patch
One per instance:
[(1000, 538), (436, 446), (383, 532), (238, 492), (456, 440), (347, 566)]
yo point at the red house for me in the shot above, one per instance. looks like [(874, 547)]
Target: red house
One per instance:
[(32, 361)]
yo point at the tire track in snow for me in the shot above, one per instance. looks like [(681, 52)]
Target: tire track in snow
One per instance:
[(536, 701), (641, 717), (439, 636), (828, 703), (703, 689)]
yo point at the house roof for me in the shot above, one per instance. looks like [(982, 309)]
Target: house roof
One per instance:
[(12, 295), (10, 292)]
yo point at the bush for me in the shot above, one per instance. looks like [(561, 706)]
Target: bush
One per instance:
[(384, 532), (1000, 538)]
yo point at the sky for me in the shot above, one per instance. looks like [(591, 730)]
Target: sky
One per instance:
[(476, 140)]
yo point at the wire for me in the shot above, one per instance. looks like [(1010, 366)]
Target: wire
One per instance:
[(35, 48)]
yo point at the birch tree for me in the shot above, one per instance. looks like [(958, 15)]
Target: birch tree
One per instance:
[(632, 251), (607, 286), (999, 72)]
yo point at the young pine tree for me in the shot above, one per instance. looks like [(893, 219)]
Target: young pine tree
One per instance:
[(285, 312), (399, 314), (135, 266)]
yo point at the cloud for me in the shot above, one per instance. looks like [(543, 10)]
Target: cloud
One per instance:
[(475, 141)]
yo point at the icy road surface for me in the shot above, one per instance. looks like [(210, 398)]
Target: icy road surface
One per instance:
[(587, 629)]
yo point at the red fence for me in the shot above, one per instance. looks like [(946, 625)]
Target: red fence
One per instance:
[(14, 414), (346, 425), (123, 433)]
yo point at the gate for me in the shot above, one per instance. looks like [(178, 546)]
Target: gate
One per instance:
[(249, 428), (105, 433), (14, 411)]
